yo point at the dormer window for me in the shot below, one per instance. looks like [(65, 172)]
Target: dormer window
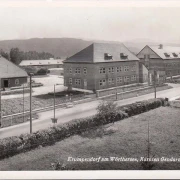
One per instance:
[(108, 56), (167, 54), (123, 56), (175, 54)]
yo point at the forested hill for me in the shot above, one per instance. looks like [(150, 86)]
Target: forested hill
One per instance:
[(59, 47)]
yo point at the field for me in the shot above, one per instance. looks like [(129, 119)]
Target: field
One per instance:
[(126, 138)]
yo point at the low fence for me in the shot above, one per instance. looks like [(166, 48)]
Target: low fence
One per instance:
[(18, 118), (120, 89), (16, 91), (134, 93)]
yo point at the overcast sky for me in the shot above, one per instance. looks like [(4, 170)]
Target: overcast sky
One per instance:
[(115, 22)]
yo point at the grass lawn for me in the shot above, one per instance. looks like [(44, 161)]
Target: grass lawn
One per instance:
[(126, 138), (15, 105)]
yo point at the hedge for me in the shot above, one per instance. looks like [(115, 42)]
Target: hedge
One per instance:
[(25, 142)]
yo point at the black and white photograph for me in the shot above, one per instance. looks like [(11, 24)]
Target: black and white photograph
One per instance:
[(89, 86)]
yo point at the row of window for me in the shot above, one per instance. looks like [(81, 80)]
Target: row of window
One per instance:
[(77, 70), (111, 81), (173, 72), (169, 55), (108, 56), (172, 64), (103, 70), (77, 81)]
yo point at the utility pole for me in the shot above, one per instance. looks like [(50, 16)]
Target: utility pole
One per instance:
[(23, 102), (116, 94), (31, 102), (54, 101), (54, 119), (148, 149), (0, 107), (155, 74)]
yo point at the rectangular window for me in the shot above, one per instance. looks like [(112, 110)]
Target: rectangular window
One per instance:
[(126, 68), (78, 81), (119, 79), (167, 55), (111, 69), (119, 69), (133, 78), (85, 70), (175, 54), (17, 81), (102, 82), (70, 70), (126, 78), (123, 56), (70, 80), (102, 70), (133, 68), (111, 81), (108, 56), (78, 70)]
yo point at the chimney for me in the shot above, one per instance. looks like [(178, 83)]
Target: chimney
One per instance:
[(161, 46)]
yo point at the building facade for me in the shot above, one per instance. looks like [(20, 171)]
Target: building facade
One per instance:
[(165, 60), (11, 75), (101, 66)]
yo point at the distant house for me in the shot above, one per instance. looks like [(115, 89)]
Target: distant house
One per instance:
[(165, 60), (48, 63), (10, 74), (101, 66)]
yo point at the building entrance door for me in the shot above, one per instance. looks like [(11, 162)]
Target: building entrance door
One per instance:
[(85, 83), (6, 83)]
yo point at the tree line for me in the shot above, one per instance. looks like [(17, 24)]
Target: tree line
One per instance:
[(16, 56)]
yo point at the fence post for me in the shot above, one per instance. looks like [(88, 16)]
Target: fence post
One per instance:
[(11, 120)]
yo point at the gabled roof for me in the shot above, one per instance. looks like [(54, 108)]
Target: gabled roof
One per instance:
[(41, 62), (10, 70), (167, 50), (96, 51)]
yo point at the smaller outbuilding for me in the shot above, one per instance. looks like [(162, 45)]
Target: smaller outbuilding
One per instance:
[(47, 63), (11, 75)]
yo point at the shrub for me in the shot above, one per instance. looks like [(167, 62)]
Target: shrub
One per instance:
[(143, 106), (108, 112), (42, 71), (30, 69)]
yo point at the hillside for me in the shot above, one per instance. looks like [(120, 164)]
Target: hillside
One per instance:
[(59, 47)]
